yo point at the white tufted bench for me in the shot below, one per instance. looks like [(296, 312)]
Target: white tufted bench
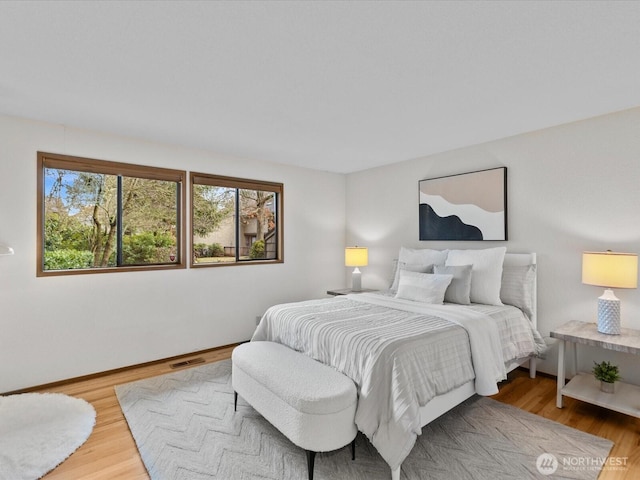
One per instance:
[(312, 404)]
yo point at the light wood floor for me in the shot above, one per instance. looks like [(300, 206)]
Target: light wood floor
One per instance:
[(110, 452)]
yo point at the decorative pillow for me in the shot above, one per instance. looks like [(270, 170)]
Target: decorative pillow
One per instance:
[(411, 267), (486, 278), (394, 273), (422, 287), (518, 283), (459, 291), (422, 256)]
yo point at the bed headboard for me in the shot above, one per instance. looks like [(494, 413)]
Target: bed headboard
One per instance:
[(524, 259), (520, 259)]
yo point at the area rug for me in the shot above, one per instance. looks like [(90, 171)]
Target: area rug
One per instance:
[(185, 428), (38, 431)]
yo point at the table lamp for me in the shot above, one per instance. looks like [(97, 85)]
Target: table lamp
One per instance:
[(356, 257), (610, 270)]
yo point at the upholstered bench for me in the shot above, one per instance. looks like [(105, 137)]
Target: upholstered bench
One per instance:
[(312, 404)]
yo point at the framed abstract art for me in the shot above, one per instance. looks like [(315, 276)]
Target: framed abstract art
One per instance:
[(467, 206)]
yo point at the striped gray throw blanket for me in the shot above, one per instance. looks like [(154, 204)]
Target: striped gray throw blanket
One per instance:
[(401, 354)]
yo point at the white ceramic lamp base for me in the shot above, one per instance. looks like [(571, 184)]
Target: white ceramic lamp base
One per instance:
[(609, 313), (356, 280)]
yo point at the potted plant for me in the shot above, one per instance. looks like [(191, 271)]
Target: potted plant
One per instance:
[(607, 374)]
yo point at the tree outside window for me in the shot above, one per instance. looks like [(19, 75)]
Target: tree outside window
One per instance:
[(106, 216), (235, 220)]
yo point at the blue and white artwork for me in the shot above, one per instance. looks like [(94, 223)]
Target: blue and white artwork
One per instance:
[(468, 206)]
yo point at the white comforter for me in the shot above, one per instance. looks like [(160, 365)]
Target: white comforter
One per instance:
[(400, 355)]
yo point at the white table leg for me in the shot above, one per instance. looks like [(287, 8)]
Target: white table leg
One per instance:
[(395, 474), (575, 358), (560, 373)]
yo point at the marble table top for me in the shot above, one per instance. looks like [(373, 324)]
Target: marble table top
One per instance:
[(587, 333)]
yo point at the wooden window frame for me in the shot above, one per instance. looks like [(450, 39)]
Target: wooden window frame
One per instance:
[(89, 165), (240, 183)]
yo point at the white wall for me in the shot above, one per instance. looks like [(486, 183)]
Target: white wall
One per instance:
[(56, 328), (571, 188)]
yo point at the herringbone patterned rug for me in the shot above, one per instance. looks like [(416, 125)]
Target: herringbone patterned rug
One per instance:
[(185, 428)]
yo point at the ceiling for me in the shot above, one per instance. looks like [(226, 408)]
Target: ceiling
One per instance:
[(336, 86)]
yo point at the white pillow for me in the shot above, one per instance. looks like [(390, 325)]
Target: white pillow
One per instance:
[(422, 256), (460, 289), (423, 287), (410, 267), (486, 277)]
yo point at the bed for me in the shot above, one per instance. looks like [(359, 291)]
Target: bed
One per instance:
[(413, 360)]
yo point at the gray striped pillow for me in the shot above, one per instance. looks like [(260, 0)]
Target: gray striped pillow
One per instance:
[(518, 287)]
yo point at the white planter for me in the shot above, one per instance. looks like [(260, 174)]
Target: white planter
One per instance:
[(607, 387)]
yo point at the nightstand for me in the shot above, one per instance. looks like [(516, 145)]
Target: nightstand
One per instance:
[(346, 291), (584, 386)]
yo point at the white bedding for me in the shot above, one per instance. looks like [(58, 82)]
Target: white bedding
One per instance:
[(401, 354)]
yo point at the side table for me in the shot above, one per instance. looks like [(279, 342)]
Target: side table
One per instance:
[(346, 291), (584, 386)]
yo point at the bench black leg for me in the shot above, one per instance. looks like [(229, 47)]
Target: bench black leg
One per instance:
[(235, 401), (311, 457)]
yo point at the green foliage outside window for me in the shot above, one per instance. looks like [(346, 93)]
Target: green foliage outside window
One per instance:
[(67, 259), (203, 250), (98, 214), (257, 250), (243, 216), (146, 248)]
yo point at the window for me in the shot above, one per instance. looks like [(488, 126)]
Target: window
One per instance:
[(235, 221), (97, 216)]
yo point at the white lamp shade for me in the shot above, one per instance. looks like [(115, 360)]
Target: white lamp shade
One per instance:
[(356, 256), (610, 269)]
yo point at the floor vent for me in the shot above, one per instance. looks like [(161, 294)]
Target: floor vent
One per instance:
[(187, 363)]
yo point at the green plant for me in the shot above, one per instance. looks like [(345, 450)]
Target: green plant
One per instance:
[(202, 250), (67, 259), (606, 372), (146, 247), (257, 250), (216, 250)]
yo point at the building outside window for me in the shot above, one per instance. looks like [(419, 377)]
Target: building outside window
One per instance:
[(235, 221)]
